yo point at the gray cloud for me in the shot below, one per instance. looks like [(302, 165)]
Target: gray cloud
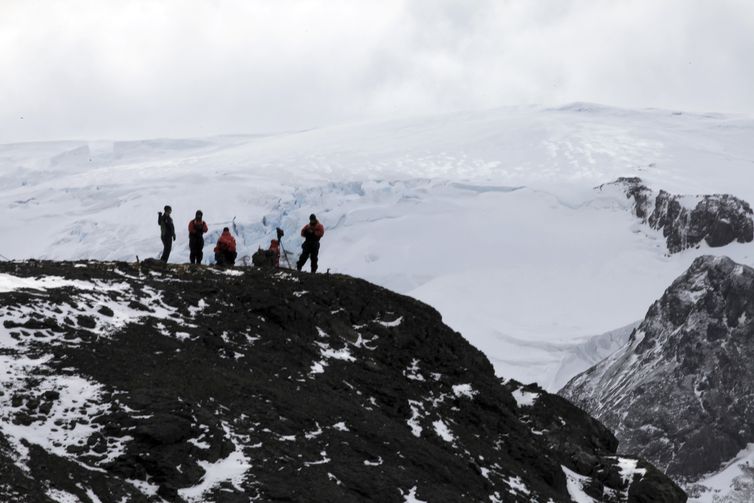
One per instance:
[(139, 68)]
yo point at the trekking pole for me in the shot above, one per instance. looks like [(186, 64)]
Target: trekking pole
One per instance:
[(282, 248)]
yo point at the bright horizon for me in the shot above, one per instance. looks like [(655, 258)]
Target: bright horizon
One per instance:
[(169, 68)]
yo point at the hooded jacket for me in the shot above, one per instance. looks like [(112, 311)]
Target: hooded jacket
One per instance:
[(226, 243), (197, 229), (313, 234), (167, 229)]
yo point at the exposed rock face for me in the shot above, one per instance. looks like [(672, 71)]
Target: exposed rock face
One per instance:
[(128, 383), (686, 221), (681, 393)]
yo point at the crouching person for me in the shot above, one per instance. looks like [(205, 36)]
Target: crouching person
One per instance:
[(269, 257), (225, 250)]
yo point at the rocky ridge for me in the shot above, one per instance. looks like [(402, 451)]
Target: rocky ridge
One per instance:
[(681, 392), (687, 221), (146, 383)]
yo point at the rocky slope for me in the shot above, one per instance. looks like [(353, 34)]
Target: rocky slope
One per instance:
[(681, 393), (126, 382), (686, 221)]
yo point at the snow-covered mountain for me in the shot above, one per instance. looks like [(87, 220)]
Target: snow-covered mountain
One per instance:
[(491, 217), (680, 392), (688, 220), (500, 219), (129, 382), (424, 207)]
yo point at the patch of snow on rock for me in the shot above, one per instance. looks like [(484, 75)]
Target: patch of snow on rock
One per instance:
[(341, 426), (336, 354), (464, 390), (525, 398), (517, 485), (733, 483), (391, 324), (575, 484), (61, 496), (373, 463), (322, 461), (412, 372), (443, 431), (9, 283), (410, 497), (629, 469), (230, 469), (413, 421)]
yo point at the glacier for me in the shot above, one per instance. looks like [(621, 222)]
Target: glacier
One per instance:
[(489, 216)]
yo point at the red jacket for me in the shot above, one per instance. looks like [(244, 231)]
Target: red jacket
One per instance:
[(313, 233), (226, 243), (197, 228), (275, 248)]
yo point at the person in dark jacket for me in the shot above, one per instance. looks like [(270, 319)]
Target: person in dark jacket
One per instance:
[(312, 233), (167, 231), (225, 250), (197, 228)]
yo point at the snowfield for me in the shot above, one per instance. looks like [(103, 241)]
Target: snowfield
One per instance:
[(492, 217)]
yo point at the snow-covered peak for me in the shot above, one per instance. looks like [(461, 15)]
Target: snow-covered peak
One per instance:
[(688, 220), (489, 216), (680, 391)]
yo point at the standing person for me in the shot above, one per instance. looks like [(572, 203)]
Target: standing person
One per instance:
[(197, 227), (225, 250), (167, 231), (312, 233)]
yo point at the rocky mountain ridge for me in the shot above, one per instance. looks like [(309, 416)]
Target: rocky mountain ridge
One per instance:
[(146, 383), (686, 221), (681, 392)]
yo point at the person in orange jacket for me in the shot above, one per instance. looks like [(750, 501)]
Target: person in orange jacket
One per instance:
[(275, 249), (197, 228), (312, 233), (225, 250)]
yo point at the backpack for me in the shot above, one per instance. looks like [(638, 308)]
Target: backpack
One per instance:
[(263, 258)]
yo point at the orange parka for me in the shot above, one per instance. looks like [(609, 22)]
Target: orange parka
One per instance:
[(226, 243), (313, 233)]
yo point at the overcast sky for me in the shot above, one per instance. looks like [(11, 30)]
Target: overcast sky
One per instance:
[(172, 68)]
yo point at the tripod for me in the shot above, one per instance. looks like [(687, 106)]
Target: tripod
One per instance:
[(280, 234)]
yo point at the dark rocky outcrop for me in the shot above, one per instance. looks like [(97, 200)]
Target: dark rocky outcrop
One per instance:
[(686, 221), (681, 393), (148, 383)]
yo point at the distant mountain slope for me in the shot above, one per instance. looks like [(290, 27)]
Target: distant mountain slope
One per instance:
[(688, 220), (127, 383), (681, 392), (489, 216)]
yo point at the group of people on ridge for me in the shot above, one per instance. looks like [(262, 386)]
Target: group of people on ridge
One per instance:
[(225, 249)]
